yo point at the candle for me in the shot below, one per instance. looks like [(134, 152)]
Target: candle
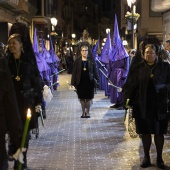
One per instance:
[(24, 135), (134, 9), (26, 128), (127, 102)]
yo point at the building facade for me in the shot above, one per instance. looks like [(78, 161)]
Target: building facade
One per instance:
[(76, 15), (163, 7), (150, 22), (12, 11)]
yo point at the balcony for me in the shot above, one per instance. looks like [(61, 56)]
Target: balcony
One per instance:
[(9, 4), (41, 20), (160, 5), (17, 6), (23, 7)]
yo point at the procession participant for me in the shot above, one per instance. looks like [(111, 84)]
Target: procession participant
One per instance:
[(137, 59), (118, 68), (148, 91), (26, 78), (84, 77), (9, 114)]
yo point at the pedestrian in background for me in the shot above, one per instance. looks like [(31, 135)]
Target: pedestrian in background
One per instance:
[(9, 114), (84, 77), (26, 78), (167, 45), (2, 49), (132, 54), (148, 91)]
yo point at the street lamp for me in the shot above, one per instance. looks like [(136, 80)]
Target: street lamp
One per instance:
[(73, 35), (125, 43), (73, 38), (107, 30), (54, 23), (73, 42), (133, 11)]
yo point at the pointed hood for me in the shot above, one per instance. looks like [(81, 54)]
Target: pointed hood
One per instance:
[(51, 47), (95, 49), (35, 42), (52, 52), (107, 50), (119, 51), (43, 44)]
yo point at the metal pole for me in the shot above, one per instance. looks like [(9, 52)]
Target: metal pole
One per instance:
[(132, 39), (101, 64)]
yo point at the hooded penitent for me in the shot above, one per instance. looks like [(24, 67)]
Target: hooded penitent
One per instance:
[(42, 65), (54, 66), (118, 66)]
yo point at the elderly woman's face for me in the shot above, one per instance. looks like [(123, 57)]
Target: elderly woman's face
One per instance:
[(14, 45), (150, 55), (84, 52)]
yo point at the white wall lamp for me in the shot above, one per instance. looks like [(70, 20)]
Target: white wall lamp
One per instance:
[(54, 23)]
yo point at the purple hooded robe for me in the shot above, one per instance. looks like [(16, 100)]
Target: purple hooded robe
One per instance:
[(118, 66)]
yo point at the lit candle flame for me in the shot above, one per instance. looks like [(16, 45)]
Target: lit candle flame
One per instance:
[(29, 113)]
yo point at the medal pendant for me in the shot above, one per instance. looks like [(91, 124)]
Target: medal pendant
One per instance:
[(84, 69), (151, 75), (17, 78)]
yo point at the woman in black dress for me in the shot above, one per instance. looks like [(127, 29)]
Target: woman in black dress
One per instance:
[(10, 121), (27, 84), (148, 92), (84, 77)]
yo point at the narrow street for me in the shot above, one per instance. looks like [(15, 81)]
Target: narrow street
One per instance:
[(68, 142)]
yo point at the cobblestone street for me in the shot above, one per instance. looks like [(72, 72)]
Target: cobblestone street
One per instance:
[(68, 142)]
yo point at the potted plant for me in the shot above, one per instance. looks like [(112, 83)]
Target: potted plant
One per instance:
[(132, 17)]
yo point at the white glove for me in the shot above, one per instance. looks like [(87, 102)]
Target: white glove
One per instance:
[(38, 109), (47, 94), (19, 155), (72, 88), (128, 107), (119, 89)]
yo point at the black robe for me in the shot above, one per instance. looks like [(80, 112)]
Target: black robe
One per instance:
[(149, 91), (9, 114), (29, 88)]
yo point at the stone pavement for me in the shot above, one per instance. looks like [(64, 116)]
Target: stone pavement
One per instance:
[(68, 142)]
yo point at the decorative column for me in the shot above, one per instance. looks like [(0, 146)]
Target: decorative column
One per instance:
[(132, 18)]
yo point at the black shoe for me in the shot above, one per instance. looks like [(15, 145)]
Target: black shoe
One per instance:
[(145, 163), (44, 114), (160, 164), (116, 106), (87, 115), (83, 116)]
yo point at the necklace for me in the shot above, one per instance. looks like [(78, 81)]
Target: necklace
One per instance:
[(17, 78), (151, 74), (84, 65)]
